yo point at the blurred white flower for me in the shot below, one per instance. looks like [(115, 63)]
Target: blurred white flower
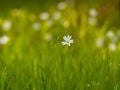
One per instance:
[(61, 5), (56, 15), (92, 20), (36, 26), (65, 23), (4, 39), (48, 36), (93, 12), (44, 16), (112, 46), (49, 22), (7, 25), (100, 42), (113, 38), (67, 40), (110, 34)]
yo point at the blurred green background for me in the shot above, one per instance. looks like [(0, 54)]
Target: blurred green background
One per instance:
[(32, 56), (107, 9)]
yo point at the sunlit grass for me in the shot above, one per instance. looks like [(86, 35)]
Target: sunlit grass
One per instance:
[(33, 58)]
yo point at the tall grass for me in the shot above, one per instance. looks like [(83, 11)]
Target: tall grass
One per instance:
[(28, 62)]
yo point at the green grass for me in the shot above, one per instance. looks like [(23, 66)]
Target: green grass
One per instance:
[(28, 62), (58, 68)]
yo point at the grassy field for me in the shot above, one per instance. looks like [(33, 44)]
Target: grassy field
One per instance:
[(32, 56)]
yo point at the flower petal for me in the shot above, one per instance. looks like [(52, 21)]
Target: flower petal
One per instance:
[(65, 38), (63, 43), (71, 41), (69, 37), (68, 44)]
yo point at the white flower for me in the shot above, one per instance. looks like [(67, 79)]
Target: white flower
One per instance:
[(56, 15), (44, 16), (36, 26), (67, 40), (6, 25), (48, 36), (92, 20), (110, 34), (100, 42), (93, 12), (65, 23), (4, 39), (114, 38), (112, 47), (61, 5), (49, 22)]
